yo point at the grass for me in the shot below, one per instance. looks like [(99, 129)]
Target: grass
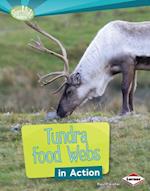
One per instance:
[(130, 145), (130, 137)]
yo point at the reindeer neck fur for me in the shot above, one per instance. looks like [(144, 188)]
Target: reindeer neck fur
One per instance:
[(113, 41), (92, 67)]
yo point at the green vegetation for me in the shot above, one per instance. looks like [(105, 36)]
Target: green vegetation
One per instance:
[(20, 92), (19, 64), (130, 145)]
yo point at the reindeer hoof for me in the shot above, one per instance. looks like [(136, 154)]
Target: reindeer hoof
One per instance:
[(124, 112)]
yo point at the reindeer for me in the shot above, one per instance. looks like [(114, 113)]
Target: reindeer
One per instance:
[(119, 47)]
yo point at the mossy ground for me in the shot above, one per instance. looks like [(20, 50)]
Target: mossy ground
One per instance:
[(130, 146), (130, 136)]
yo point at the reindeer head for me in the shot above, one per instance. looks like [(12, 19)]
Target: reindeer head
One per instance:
[(69, 99)]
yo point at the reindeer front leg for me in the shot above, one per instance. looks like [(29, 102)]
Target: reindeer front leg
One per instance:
[(128, 75)]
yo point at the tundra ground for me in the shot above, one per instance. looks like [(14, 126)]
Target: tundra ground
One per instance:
[(130, 146), (130, 136)]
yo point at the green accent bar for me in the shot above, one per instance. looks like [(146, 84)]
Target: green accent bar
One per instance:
[(94, 172)]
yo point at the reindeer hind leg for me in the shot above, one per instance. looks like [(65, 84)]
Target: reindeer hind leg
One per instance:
[(128, 73), (131, 94)]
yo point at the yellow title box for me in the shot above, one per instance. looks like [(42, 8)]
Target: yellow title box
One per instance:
[(51, 146)]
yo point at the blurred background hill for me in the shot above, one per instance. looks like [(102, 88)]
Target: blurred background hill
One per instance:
[(19, 64)]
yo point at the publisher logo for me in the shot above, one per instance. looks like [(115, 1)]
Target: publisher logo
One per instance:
[(133, 179)]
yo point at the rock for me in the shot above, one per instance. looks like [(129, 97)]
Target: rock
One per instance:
[(51, 115), (98, 119), (7, 114), (36, 114), (15, 128)]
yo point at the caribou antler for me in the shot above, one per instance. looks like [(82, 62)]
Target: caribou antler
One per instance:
[(38, 45)]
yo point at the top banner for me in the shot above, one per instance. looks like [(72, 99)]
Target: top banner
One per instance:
[(49, 7)]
